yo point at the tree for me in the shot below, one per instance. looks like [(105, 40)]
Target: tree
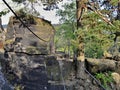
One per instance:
[(50, 4), (80, 65), (66, 31), (102, 24)]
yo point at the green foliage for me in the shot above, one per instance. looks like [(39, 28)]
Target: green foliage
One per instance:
[(105, 79), (68, 14), (66, 31), (4, 12), (116, 26), (97, 35), (114, 2), (94, 50)]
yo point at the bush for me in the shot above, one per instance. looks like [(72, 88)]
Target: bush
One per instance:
[(104, 78), (93, 51)]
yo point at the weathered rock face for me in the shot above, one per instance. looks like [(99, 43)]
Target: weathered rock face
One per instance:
[(32, 72), (19, 37), (25, 55), (43, 72)]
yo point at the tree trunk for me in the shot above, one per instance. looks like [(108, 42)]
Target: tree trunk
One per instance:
[(99, 65), (80, 49)]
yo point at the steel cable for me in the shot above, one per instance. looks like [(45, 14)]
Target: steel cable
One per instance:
[(95, 79)]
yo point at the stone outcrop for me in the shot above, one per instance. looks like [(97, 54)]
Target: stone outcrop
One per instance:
[(19, 37), (25, 55)]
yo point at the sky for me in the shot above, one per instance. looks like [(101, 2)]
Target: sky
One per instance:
[(48, 15)]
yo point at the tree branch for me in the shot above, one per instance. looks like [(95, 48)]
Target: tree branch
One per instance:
[(100, 14)]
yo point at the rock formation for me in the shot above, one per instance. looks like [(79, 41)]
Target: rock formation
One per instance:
[(25, 54), (19, 37), (28, 64)]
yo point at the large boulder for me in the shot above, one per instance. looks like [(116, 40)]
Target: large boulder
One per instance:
[(19, 37), (24, 58)]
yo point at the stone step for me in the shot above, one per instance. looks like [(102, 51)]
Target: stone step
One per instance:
[(35, 86)]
